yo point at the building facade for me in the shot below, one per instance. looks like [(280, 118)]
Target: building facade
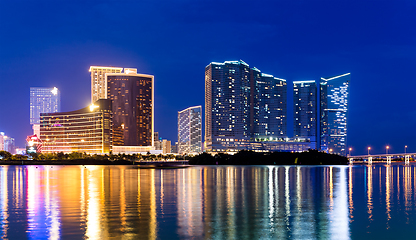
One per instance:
[(270, 108), (85, 130), (334, 92), (2, 141), (190, 130), (305, 110), (242, 106), (131, 95), (43, 100), (98, 81)]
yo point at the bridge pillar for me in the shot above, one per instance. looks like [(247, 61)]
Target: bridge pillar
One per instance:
[(388, 159), (351, 160), (370, 160), (406, 159)]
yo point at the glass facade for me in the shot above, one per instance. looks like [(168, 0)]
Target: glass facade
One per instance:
[(85, 130), (270, 107), (131, 96), (190, 130), (334, 94), (43, 100), (241, 105), (305, 109), (98, 82)]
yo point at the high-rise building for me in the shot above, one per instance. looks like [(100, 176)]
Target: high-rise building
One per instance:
[(334, 93), (131, 96), (166, 146), (98, 81), (270, 107), (43, 100), (157, 141), (190, 130), (84, 130), (2, 141), (9, 145), (242, 106), (305, 109)]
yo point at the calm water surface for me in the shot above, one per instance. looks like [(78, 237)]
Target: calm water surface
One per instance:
[(219, 202)]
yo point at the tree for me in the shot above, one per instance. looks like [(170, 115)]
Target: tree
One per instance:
[(5, 155)]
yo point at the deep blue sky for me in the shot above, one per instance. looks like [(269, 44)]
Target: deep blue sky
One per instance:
[(53, 43)]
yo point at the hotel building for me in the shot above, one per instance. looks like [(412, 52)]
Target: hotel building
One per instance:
[(305, 110), (85, 130), (132, 104), (246, 110), (98, 81), (334, 92), (190, 130), (43, 100)]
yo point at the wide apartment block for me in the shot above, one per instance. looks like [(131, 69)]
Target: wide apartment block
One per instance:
[(190, 130), (84, 130)]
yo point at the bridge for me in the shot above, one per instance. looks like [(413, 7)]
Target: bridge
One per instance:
[(388, 157)]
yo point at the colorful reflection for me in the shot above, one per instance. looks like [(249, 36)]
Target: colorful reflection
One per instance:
[(215, 202)]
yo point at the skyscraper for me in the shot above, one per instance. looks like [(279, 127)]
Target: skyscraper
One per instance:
[(334, 92), (242, 106), (190, 130), (43, 100), (98, 82), (131, 96), (305, 109), (270, 107), (2, 141)]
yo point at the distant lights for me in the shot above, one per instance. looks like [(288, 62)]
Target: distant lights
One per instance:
[(54, 91), (92, 107)]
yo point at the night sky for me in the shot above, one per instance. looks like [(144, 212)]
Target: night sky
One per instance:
[(53, 43)]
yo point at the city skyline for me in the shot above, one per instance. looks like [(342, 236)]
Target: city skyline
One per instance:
[(294, 41)]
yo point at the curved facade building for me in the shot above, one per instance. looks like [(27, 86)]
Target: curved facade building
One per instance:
[(131, 97), (84, 130), (190, 130)]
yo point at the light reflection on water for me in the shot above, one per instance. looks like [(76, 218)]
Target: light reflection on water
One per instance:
[(215, 202)]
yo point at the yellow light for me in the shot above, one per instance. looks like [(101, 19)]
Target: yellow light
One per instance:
[(369, 148), (92, 107), (387, 147)]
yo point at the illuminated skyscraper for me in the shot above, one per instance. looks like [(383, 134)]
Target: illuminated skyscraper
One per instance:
[(270, 108), (242, 106), (131, 96), (98, 82), (43, 100), (305, 109), (190, 130), (334, 93)]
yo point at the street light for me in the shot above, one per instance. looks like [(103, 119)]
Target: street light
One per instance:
[(349, 151), (368, 150), (330, 150), (387, 150), (405, 148)]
